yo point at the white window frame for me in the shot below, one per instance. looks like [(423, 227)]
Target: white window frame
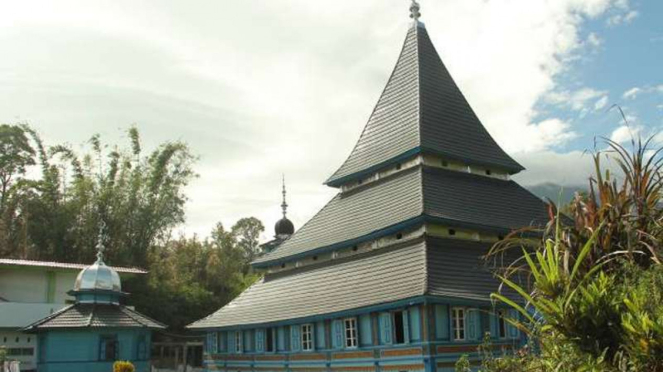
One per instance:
[(239, 340), (459, 323), (350, 328), (502, 324), (306, 331)]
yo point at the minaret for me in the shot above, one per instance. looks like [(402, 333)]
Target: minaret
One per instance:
[(284, 227)]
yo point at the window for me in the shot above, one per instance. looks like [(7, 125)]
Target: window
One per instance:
[(399, 328), (501, 323), (458, 323), (350, 333), (109, 348), (307, 337), (238, 342), (269, 340), (20, 351)]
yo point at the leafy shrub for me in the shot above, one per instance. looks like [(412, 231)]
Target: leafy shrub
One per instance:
[(123, 366), (595, 298)]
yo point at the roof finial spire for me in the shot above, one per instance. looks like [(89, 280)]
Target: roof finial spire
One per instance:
[(415, 11), (284, 205), (100, 242)]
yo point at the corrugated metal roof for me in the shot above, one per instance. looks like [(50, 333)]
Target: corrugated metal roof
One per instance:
[(457, 269), (381, 276), (355, 214), (483, 201), (62, 265), (422, 108), (450, 268), (95, 316), (457, 198)]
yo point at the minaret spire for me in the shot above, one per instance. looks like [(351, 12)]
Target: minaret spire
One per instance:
[(284, 205), (415, 11)]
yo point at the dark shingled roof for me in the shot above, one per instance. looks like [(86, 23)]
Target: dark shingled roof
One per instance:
[(422, 109), (439, 267), (453, 198), (95, 316)]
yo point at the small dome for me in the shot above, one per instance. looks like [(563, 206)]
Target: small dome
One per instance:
[(284, 227), (98, 277)]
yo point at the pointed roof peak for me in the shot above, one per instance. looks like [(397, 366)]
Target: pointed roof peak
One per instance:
[(421, 110)]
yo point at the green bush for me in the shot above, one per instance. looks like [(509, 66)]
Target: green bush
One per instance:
[(595, 298)]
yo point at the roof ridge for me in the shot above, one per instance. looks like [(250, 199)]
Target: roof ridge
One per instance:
[(132, 314)]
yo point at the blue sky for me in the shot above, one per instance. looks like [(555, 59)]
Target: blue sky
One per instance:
[(286, 86), (627, 56)]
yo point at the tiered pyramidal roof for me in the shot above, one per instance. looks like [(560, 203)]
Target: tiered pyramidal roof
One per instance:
[(424, 194), (421, 110)]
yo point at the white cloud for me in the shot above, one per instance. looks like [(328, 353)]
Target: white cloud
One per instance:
[(282, 86), (624, 134), (594, 40), (625, 18), (632, 93), (601, 103), (579, 100)]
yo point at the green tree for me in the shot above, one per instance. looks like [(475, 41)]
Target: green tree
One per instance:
[(247, 232), (16, 154)]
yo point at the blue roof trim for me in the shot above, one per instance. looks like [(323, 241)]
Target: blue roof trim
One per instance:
[(370, 170), (415, 151), (346, 243), (425, 299), (391, 230)]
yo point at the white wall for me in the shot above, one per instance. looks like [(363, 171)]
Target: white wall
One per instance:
[(23, 285)]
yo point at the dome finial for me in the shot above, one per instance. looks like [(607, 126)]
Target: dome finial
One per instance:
[(284, 205), (415, 11), (100, 242)]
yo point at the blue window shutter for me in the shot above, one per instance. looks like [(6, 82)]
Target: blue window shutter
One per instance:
[(320, 335), (260, 336), (494, 324), (406, 326), (222, 341), (385, 328), (102, 349), (441, 322), (512, 331), (231, 342), (295, 341), (472, 317), (337, 334)]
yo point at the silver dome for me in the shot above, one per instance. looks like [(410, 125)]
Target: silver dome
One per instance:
[(98, 277)]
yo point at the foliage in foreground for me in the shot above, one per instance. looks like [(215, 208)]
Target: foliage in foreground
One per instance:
[(595, 297), (122, 366)]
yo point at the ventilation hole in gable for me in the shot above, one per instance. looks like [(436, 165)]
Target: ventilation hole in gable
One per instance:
[(283, 266), (399, 236), (315, 258), (360, 182), (445, 163), (488, 172), (398, 166), (452, 232), (355, 248)]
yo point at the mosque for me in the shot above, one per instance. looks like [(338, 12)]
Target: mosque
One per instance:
[(389, 275)]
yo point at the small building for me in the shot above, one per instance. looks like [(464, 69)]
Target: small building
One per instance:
[(29, 291), (94, 331), (389, 275)]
